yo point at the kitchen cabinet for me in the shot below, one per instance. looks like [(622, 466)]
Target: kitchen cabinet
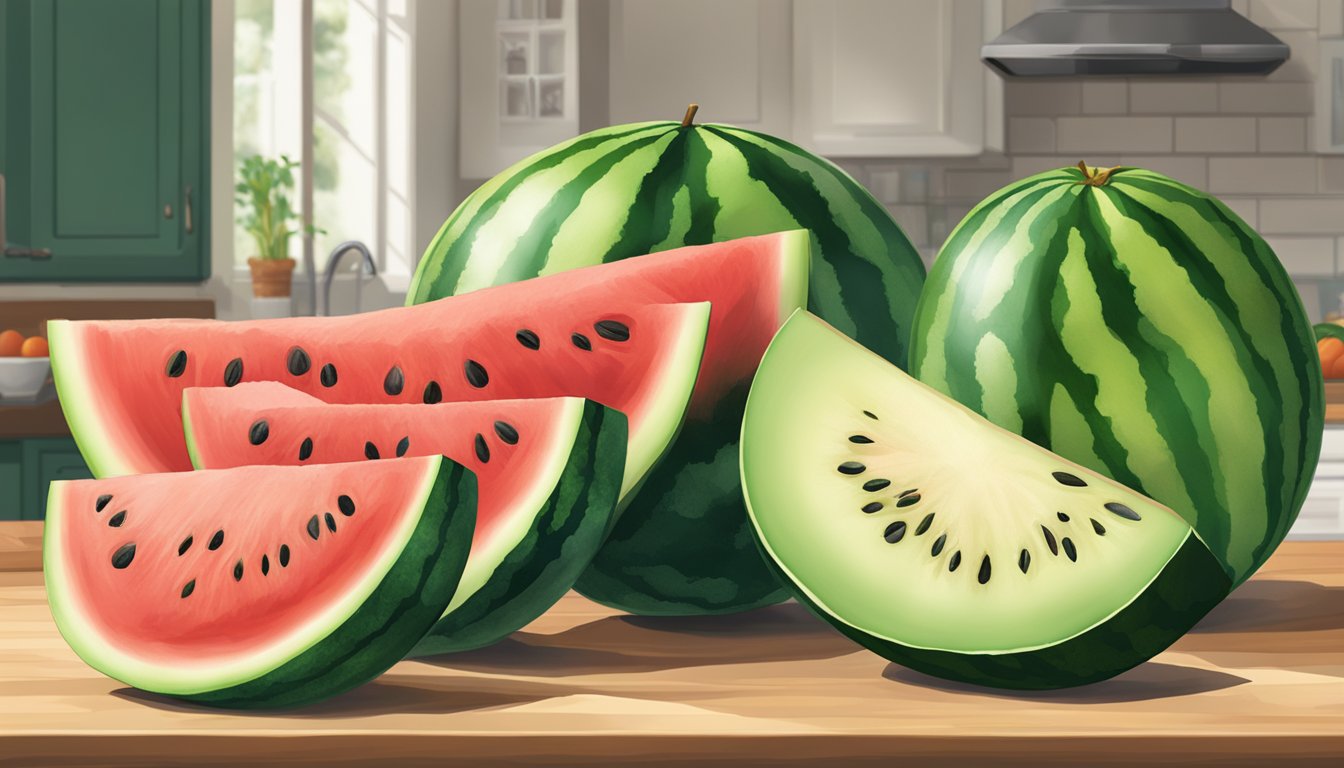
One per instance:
[(28, 467), (840, 77), (874, 78), (106, 139), (733, 58)]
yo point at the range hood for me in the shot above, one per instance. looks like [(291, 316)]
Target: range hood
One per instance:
[(1135, 37)]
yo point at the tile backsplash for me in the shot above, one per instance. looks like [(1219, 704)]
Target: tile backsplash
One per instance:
[(1247, 140)]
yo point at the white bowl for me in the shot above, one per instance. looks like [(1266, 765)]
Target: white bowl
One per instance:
[(23, 377)]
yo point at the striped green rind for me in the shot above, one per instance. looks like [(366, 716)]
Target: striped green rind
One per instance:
[(1141, 329), (1148, 625), (563, 536), (683, 544)]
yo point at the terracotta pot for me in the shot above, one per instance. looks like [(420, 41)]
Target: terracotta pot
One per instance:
[(271, 277)]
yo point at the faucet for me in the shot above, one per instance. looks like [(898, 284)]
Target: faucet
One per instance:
[(334, 261)]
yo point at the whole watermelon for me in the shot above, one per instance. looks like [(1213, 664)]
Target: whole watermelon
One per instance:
[(1139, 327), (684, 544)]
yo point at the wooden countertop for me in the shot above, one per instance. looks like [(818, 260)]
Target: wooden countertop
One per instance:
[(1259, 682)]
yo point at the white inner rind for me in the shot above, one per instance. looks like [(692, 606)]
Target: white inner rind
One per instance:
[(186, 677), (74, 388), (989, 491)]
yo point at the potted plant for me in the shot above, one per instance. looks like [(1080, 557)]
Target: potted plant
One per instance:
[(266, 214)]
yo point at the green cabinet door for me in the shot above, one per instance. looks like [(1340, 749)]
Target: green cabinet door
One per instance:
[(113, 154), (27, 469), (46, 459)]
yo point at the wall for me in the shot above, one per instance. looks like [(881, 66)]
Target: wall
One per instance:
[(1248, 140)]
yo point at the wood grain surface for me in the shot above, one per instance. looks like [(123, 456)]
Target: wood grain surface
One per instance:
[(1260, 682)]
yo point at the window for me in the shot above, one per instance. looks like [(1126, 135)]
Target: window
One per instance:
[(352, 137)]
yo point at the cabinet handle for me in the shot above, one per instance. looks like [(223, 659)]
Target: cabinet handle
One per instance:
[(186, 215)]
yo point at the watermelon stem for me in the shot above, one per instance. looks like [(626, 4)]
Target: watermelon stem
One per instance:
[(690, 115), (1096, 177)]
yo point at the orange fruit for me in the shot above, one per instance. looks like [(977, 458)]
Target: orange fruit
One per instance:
[(34, 346), (11, 341), (1336, 369), (1330, 349)]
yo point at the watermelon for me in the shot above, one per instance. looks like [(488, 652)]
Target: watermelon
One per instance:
[(549, 474), (605, 333), (1140, 328), (684, 545), (257, 587), (950, 545)]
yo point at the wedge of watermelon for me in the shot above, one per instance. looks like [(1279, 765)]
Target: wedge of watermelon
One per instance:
[(260, 586), (549, 472), (602, 332)]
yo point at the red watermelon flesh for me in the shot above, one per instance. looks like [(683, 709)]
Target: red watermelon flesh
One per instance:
[(602, 332), (549, 473), (238, 585)]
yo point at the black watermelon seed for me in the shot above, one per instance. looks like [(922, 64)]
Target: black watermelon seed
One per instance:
[(876, 484), (870, 415), (259, 432), (305, 449), (284, 555), (184, 546), (612, 330), (216, 541), (265, 565), (327, 375), (177, 364), (233, 372), (314, 527), (476, 375), (403, 445), (188, 588), (346, 505), (528, 339), (1063, 518), (851, 468), (370, 451), (938, 543), (297, 361), (581, 341), (433, 394), (331, 522), (238, 571), (907, 492), (123, 557), (394, 382), (872, 506), (1122, 510), (895, 532), (1069, 549), (906, 501), (1098, 527), (955, 562), (1064, 478), (983, 575), (860, 439), (1050, 540), (102, 502), (116, 520), (482, 450), (1024, 561), (924, 524), (506, 432)]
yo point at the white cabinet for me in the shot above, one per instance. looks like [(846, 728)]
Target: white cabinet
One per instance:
[(1322, 515), (518, 80), (732, 57), (877, 78), (872, 78)]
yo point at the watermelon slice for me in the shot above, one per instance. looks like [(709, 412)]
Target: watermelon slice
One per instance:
[(270, 587), (549, 472)]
